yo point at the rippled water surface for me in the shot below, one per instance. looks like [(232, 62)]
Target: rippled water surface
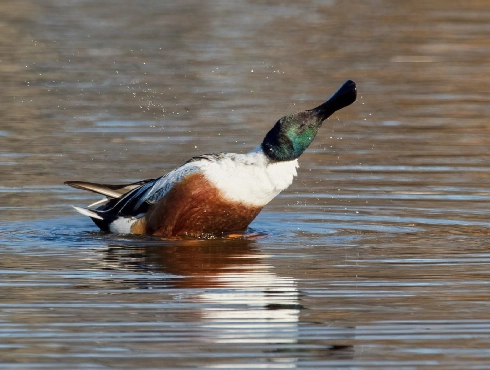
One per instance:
[(376, 257)]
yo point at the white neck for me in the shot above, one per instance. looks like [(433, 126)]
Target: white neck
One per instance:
[(250, 178)]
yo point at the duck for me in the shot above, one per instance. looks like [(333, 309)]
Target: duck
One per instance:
[(213, 194)]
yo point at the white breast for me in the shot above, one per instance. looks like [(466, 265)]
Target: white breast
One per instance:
[(249, 178)]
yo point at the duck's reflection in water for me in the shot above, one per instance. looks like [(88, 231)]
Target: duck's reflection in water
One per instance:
[(238, 296), (242, 298)]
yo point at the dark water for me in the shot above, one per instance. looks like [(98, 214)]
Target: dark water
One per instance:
[(376, 257)]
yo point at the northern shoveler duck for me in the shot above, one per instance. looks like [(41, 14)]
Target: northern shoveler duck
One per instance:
[(213, 194)]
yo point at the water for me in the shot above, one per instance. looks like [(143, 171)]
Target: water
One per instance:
[(376, 257)]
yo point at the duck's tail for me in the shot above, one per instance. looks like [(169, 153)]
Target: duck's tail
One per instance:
[(119, 201)]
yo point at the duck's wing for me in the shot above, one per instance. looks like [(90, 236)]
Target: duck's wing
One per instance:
[(133, 199), (110, 191), (162, 185)]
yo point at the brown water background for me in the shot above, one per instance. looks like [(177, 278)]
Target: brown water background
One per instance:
[(377, 257)]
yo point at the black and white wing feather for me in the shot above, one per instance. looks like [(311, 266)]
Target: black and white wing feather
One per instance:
[(130, 200)]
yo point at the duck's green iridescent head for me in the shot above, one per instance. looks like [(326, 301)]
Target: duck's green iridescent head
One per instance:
[(292, 134)]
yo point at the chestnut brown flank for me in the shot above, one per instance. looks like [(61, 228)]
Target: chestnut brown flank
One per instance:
[(194, 208)]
